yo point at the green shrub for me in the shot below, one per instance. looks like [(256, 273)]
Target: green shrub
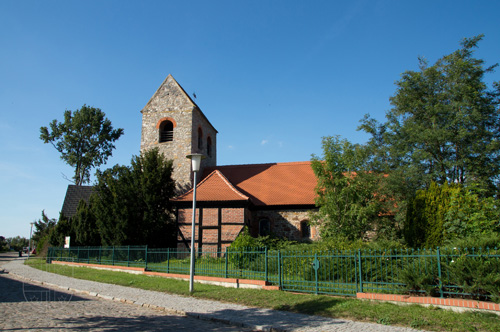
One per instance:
[(426, 215), (476, 275), (490, 241), (238, 251), (416, 281)]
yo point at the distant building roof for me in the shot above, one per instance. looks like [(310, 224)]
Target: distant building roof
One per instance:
[(275, 184), (73, 196)]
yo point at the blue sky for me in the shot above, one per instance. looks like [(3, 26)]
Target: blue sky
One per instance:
[(273, 77)]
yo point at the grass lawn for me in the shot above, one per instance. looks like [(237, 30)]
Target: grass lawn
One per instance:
[(426, 318)]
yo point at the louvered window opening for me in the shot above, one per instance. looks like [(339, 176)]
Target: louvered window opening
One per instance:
[(166, 136), (166, 132)]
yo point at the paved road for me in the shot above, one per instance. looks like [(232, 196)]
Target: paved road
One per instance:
[(88, 305)]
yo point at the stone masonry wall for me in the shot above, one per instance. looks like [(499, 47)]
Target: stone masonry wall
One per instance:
[(283, 223), (199, 121), (176, 150)]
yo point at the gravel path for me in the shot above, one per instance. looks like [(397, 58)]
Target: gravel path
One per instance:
[(207, 311)]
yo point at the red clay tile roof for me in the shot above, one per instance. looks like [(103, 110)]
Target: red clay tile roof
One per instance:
[(272, 184), (214, 187)]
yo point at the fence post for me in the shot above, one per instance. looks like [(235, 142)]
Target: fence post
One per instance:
[(113, 256), (100, 248), (128, 255), (146, 259), (78, 254), (438, 254), (168, 260), (225, 268), (280, 270), (266, 273), (316, 267), (360, 272)]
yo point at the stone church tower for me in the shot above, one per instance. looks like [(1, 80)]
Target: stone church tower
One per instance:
[(172, 122)]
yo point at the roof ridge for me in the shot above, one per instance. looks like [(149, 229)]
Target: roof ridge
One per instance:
[(265, 164)]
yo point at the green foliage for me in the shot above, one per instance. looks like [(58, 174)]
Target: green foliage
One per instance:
[(42, 230), (271, 242), (423, 282), (446, 212), (84, 140), (237, 250), (491, 241), (346, 190), (479, 276), (469, 214), (85, 227), (17, 243), (244, 240), (63, 228), (131, 204), (425, 215), (4, 245), (81, 228), (442, 127)]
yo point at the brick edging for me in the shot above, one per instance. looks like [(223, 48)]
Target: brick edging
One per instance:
[(472, 304), (102, 266)]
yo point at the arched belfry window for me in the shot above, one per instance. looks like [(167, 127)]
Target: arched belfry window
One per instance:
[(209, 146), (166, 131), (200, 139)]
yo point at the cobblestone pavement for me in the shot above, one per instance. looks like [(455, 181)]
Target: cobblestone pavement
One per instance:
[(53, 302), (25, 306)]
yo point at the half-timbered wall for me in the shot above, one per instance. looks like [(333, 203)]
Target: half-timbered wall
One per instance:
[(218, 227)]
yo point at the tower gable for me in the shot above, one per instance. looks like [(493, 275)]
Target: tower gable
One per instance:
[(169, 95)]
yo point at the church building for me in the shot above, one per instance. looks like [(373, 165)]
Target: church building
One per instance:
[(269, 198)]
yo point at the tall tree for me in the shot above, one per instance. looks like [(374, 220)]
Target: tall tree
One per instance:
[(131, 204), (444, 125), (346, 190), (84, 140)]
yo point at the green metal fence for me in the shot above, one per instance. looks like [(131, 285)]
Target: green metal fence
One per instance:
[(437, 272)]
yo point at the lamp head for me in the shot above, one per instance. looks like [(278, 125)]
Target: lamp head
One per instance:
[(195, 160)]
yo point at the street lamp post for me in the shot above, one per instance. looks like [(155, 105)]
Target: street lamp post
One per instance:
[(31, 233), (195, 164)]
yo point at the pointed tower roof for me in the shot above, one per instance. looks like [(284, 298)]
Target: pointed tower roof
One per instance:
[(214, 188)]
